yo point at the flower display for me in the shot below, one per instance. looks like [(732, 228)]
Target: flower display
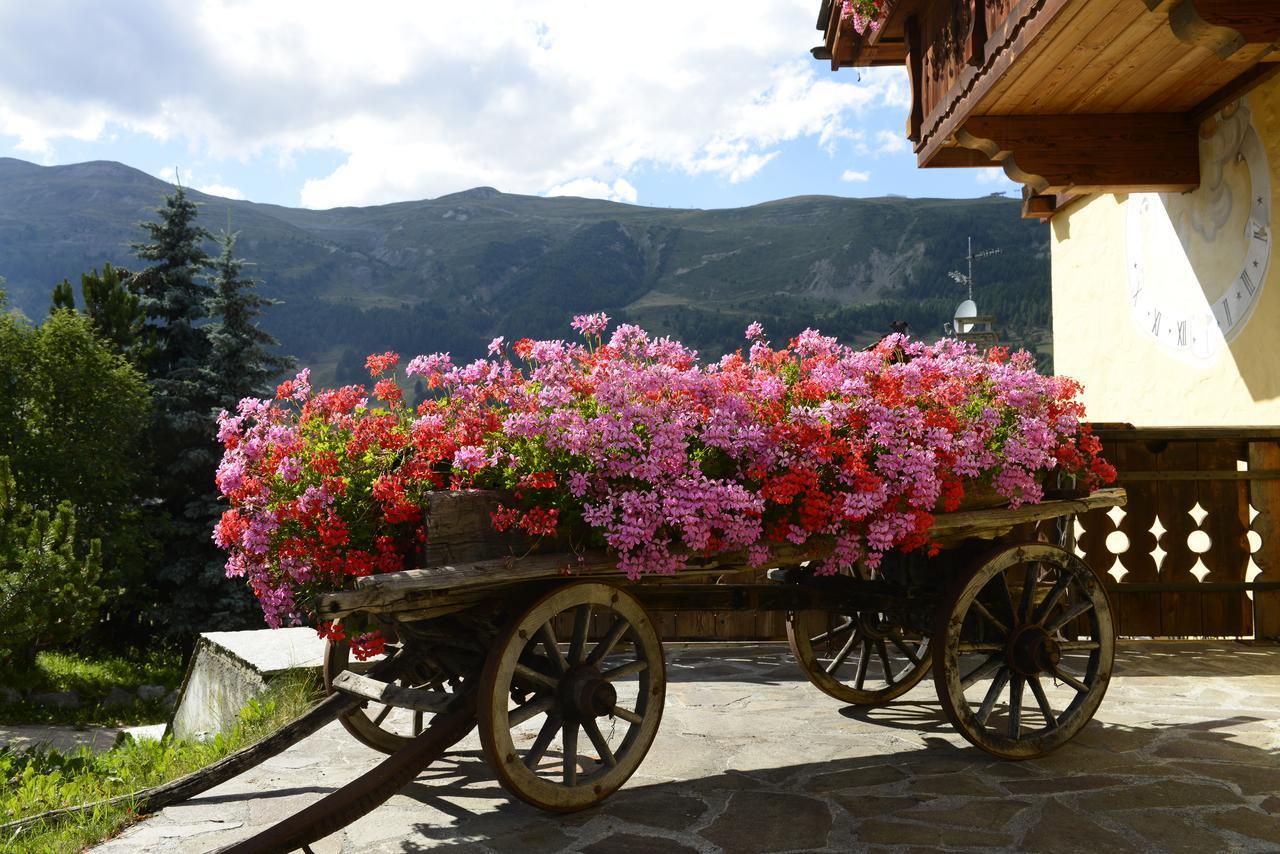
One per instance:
[(863, 14), (629, 442)]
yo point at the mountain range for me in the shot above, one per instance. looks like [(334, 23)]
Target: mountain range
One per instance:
[(451, 273)]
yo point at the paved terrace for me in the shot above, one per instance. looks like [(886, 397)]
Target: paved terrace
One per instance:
[(1183, 756)]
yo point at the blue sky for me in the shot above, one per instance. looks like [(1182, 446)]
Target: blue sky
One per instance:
[(322, 104)]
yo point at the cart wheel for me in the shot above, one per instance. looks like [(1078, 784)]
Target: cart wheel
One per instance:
[(860, 658), (380, 726), (540, 697), (1023, 653)]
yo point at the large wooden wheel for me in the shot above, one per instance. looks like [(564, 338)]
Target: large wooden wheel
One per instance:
[(1024, 650), (857, 657), (537, 697), (384, 727)]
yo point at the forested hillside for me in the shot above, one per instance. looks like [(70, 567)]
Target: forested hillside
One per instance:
[(451, 273)]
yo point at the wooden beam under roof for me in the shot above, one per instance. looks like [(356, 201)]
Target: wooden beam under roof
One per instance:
[(1075, 154)]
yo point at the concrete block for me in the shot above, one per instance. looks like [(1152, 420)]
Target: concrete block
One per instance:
[(230, 668)]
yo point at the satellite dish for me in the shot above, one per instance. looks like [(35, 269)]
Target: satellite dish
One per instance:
[(968, 308)]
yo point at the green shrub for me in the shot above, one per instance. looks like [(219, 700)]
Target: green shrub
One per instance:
[(47, 595)]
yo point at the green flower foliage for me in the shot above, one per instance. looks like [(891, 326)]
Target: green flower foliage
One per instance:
[(48, 595)]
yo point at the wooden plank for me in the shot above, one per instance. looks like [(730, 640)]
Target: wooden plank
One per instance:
[(1180, 612), (1256, 22), (1236, 89), (1094, 54), (1119, 62), (355, 685), (1156, 152), (1264, 497), (915, 76), (1048, 53), (1261, 474), (1226, 614), (1139, 613)]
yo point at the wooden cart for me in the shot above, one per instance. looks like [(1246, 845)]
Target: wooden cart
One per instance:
[(558, 657)]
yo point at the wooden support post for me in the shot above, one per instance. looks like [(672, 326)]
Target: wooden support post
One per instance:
[(915, 71), (1264, 496)]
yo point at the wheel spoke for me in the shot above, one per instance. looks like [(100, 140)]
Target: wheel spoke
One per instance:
[(1069, 615), (552, 646), (966, 646), (1006, 598), (626, 714), (1063, 676), (599, 743), (1015, 707), (835, 663), (1029, 582), (540, 744), (883, 651), (1078, 645), (904, 649), (417, 723), (528, 674), (615, 633), (991, 618), (571, 754), (624, 670), (982, 671), (581, 622), (1043, 702), (382, 715), (993, 694), (832, 633), (864, 658), (523, 713), (1051, 600)]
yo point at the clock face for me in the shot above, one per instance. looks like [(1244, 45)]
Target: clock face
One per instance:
[(1197, 261)]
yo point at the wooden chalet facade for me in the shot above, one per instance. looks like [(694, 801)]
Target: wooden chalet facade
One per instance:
[(1147, 134)]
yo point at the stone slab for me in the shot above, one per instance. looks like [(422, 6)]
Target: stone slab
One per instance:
[(1148, 775), (230, 668)]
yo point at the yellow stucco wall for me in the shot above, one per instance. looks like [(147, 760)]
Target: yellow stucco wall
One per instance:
[(1118, 259)]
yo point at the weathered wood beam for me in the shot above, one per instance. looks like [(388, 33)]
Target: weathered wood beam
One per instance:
[(1156, 152), (959, 158), (915, 71), (976, 39), (1036, 206), (1222, 26)]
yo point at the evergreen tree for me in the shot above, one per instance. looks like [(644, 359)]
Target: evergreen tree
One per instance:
[(241, 361), (111, 307), (173, 295)]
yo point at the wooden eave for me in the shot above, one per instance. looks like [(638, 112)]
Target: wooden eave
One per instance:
[(1070, 97)]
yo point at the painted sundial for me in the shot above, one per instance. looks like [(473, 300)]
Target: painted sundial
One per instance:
[(1197, 261)]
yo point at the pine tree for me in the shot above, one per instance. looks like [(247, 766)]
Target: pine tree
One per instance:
[(112, 309), (175, 350), (241, 360)]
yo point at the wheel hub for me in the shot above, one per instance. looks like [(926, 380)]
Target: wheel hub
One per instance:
[(872, 627), (584, 695), (1032, 651)]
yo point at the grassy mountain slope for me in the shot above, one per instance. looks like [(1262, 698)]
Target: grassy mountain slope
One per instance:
[(452, 272)]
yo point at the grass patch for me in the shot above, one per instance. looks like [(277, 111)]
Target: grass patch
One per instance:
[(93, 678), (34, 781)]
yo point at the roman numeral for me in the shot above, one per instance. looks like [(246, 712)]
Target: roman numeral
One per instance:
[(1226, 309), (1155, 324), (1182, 333), (1260, 233), (1247, 280)]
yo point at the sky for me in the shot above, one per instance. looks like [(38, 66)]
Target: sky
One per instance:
[(323, 104)]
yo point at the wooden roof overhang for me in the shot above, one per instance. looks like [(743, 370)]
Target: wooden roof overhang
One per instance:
[(1070, 97)]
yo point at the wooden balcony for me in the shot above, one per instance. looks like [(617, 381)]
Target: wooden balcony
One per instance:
[(1070, 97)]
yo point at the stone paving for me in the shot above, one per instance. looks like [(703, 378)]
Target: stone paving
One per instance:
[(1184, 756)]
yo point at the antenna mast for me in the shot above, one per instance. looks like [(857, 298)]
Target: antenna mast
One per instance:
[(967, 280)]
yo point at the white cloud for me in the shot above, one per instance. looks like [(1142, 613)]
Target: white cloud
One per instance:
[(222, 190), (589, 188), (854, 176), (992, 175), (422, 99), (888, 142)]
